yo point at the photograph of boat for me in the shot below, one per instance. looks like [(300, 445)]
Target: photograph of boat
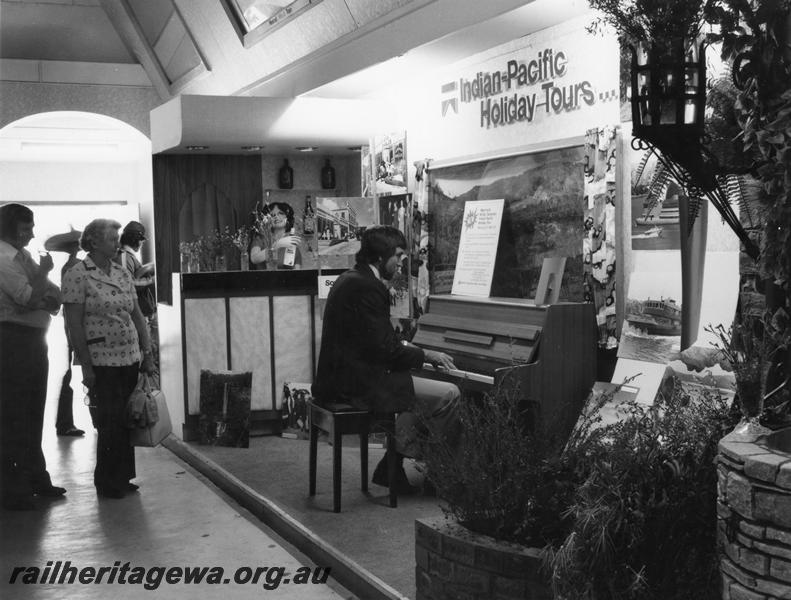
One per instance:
[(653, 232), (655, 205), (661, 212), (655, 317)]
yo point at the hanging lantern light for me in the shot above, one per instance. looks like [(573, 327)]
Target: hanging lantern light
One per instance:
[(668, 99), (668, 96)]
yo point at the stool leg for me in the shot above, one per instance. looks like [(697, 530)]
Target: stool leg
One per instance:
[(314, 442), (336, 470), (364, 462), (391, 468)]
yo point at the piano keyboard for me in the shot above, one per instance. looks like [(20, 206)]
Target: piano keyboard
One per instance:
[(487, 379)]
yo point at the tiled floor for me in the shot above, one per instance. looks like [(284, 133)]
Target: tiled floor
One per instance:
[(177, 519)]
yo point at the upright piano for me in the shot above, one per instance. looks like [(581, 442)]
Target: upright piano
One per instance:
[(546, 353)]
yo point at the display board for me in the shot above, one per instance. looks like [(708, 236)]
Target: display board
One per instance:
[(542, 216), (480, 233)]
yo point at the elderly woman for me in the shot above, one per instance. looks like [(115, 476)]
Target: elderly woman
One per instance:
[(109, 335), (283, 252)]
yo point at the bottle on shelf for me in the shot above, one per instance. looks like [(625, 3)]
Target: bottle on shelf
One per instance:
[(308, 218), (285, 176), (328, 176)]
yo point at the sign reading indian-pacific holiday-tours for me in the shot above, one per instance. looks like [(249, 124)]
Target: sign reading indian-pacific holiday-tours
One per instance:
[(550, 85)]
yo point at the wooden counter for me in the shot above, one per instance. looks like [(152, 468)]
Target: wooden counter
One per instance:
[(266, 322)]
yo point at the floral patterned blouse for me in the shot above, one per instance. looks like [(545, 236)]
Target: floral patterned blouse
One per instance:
[(108, 301)]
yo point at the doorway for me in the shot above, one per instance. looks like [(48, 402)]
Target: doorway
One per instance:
[(70, 168)]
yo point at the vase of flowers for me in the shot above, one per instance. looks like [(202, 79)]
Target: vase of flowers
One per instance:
[(184, 256), (261, 229), (241, 241), (190, 253)]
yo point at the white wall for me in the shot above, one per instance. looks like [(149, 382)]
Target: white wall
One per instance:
[(588, 63)]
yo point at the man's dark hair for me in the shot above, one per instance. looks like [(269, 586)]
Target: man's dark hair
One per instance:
[(133, 235), (11, 216), (379, 241), (131, 239)]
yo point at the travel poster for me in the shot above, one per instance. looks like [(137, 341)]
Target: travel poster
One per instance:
[(655, 204), (390, 163), (542, 213), (480, 234), (340, 221)]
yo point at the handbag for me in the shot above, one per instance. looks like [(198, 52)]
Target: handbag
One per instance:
[(147, 415)]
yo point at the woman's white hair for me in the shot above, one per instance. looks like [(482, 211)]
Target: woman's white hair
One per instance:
[(96, 231)]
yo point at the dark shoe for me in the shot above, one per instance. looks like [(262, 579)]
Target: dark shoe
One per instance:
[(71, 432), (402, 485), (19, 503), (108, 492), (132, 487), (51, 491)]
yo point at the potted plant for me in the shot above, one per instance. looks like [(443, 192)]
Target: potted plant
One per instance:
[(622, 508), (503, 492), (643, 515)]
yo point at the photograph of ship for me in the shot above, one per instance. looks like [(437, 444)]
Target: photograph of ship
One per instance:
[(651, 330), (655, 317), (655, 201)]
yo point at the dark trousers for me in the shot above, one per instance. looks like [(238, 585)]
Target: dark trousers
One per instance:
[(115, 457), (23, 393), (65, 417)]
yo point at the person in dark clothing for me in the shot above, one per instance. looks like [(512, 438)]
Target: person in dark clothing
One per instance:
[(363, 363), (64, 420)]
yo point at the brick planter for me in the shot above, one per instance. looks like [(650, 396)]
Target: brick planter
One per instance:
[(754, 516), (454, 563)]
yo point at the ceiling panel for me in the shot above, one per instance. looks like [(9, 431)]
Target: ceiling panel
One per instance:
[(152, 16), (365, 11), (46, 31)]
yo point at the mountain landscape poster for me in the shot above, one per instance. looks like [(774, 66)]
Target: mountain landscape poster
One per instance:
[(542, 218)]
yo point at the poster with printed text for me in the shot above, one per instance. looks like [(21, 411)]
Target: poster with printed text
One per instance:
[(480, 234)]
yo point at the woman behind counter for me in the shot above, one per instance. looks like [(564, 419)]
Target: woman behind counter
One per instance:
[(284, 250), (109, 335)]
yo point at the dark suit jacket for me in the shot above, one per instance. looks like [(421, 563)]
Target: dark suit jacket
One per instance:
[(361, 361)]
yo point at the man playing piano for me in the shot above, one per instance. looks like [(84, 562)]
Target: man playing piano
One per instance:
[(363, 363)]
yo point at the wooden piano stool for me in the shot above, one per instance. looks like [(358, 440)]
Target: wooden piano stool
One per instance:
[(338, 420)]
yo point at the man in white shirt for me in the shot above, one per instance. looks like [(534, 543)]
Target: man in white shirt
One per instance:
[(27, 301)]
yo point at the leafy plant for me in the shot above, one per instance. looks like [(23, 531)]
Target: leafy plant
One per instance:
[(643, 516), (652, 20), (755, 36), (752, 347), (504, 479), (624, 511)]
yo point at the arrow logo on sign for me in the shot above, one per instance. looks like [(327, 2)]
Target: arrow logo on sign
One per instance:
[(450, 102)]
